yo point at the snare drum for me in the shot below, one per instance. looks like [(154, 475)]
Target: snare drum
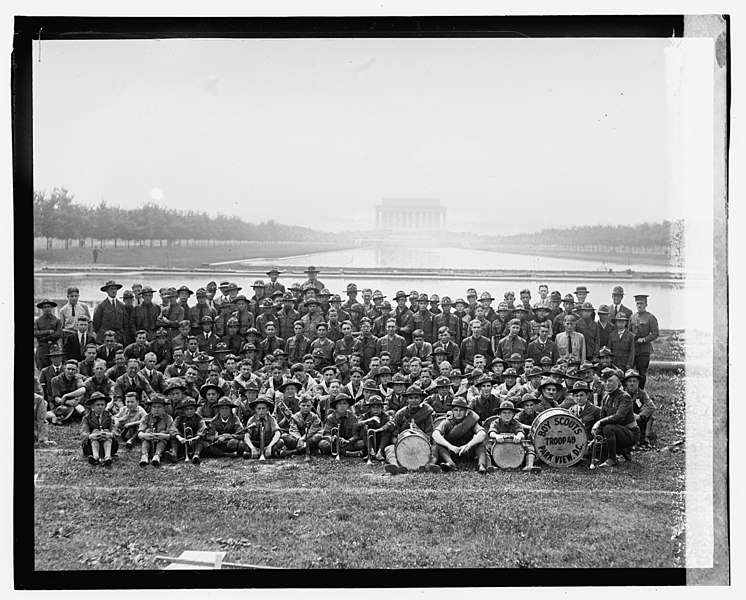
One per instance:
[(508, 454), (412, 449)]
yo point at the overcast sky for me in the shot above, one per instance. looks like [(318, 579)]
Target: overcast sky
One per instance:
[(511, 134)]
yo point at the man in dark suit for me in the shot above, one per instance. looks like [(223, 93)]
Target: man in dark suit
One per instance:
[(475, 344), (75, 344), (50, 372), (617, 307), (108, 350), (109, 314), (146, 314), (542, 346)]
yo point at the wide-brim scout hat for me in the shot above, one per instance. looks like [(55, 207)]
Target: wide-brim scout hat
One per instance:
[(455, 374), (293, 382), (49, 302), (311, 301), (555, 297), (381, 370), (259, 284), (252, 385), (240, 298), (374, 400), (620, 316), (221, 348), (278, 294), (603, 309), (274, 271), (161, 332), (414, 390), (253, 331), (474, 374), (233, 286), (503, 306), (400, 294), (557, 370), (156, 399), (267, 303), (572, 374), (605, 351), (210, 386), (568, 299), (202, 358), (442, 381), (440, 350), (356, 307), (185, 288), (511, 372), (580, 386), (520, 308), (109, 284), (397, 379), (95, 396), (351, 287), (63, 412), (56, 351), (207, 319), (261, 400), (581, 289), (188, 401), (459, 401), (618, 289), (168, 292), (288, 297), (312, 269), (586, 366), (201, 293), (225, 401), (175, 383), (484, 379), (460, 301), (587, 306), (541, 307), (515, 357), (534, 372), (370, 385), (545, 381), (525, 398), (486, 296), (631, 374), (611, 372), (338, 398), (499, 360), (423, 298), (507, 405)]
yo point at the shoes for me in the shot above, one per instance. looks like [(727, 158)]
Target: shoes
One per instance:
[(129, 444), (156, 462), (403, 470), (626, 456), (393, 469), (92, 461), (491, 469), (433, 468), (379, 457), (107, 462), (482, 471), (144, 460), (171, 455), (608, 463), (196, 459), (247, 455), (448, 466)]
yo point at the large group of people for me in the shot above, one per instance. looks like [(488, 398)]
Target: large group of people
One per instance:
[(300, 371)]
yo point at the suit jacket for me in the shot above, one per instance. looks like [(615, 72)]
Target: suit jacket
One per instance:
[(156, 380), (589, 414), (396, 347), (146, 317), (505, 347), (613, 311), (73, 347), (537, 351), (108, 355), (107, 317), (623, 349), (454, 353)]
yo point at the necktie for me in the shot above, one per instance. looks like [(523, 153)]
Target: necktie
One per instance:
[(569, 344), (80, 340), (73, 310)]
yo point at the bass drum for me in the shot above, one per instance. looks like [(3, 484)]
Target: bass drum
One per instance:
[(412, 449), (508, 454), (559, 437)]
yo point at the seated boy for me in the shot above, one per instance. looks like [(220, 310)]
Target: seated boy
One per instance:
[(346, 439), (97, 431), (642, 405), (41, 432), (506, 429), (304, 428), (190, 428), (127, 420), (263, 432), (155, 431), (380, 424), (460, 435), (585, 410), (225, 432)]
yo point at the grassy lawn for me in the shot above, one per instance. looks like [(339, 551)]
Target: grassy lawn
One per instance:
[(348, 515)]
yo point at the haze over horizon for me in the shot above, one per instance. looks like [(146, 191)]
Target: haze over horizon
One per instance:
[(512, 135)]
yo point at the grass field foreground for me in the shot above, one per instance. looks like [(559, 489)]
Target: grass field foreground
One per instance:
[(348, 515)]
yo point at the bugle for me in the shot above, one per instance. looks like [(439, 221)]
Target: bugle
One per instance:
[(335, 442), (187, 434), (308, 443), (370, 436), (598, 442), (261, 441)]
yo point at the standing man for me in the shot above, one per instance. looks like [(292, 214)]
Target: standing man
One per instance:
[(622, 344), (423, 319), (393, 343), (543, 296), (605, 327), (511, 343), (616, 303), (570, 343), (287, 316), (542, 346), (588, 327), (76, 343), (475, 344), (312, 273), (109, 314), (644, 327), (47, 331), (403, 317), (274, 285), (199, 311), (146, 313), (69, 313), (568, 304)]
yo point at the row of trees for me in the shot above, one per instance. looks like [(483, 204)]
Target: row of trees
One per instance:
[(644, 235), (58, 216)]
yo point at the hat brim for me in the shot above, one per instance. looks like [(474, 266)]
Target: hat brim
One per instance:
[(119, 286), (208, 387), (269, 403), (175, 387), (50, 303)]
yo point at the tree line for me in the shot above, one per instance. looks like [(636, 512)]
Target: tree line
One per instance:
[(644, 235), (58, 216)]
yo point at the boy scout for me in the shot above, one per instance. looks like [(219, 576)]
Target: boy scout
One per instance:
[(98, 432), (442, 395), (127, 420), (305, 428), (47, 332), (642, 405), (225, 433), (109, 314), (263, 431), (68, 390), (421, 414), (622, 344), (584, 410), (190, 429), (485, 404), (507, 428), (644, 327), (155, 431), (460, 435), (379, 424), (344, 421)]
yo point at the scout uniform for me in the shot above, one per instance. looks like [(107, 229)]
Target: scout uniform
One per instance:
[(163, 425), (287, 317), (422, 416), (268, 425), (459, 433), (274, 286), (312, 281), (499, 428), (243, 315), (207, 340), (231, 430), (92, 422), (510, 344), (47, 332), (161, 347), (643, 407), (306, 427), (604, 329), (472, 346), (146, 314), (484, 406), (132, 383), (198, 426), (442, 396), (127, 422), (616, 306), (348, 430), (622, 344), (381, 425), (644, 327), (171, 314)]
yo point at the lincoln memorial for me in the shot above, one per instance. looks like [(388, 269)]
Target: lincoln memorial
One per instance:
[(395, 214)]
